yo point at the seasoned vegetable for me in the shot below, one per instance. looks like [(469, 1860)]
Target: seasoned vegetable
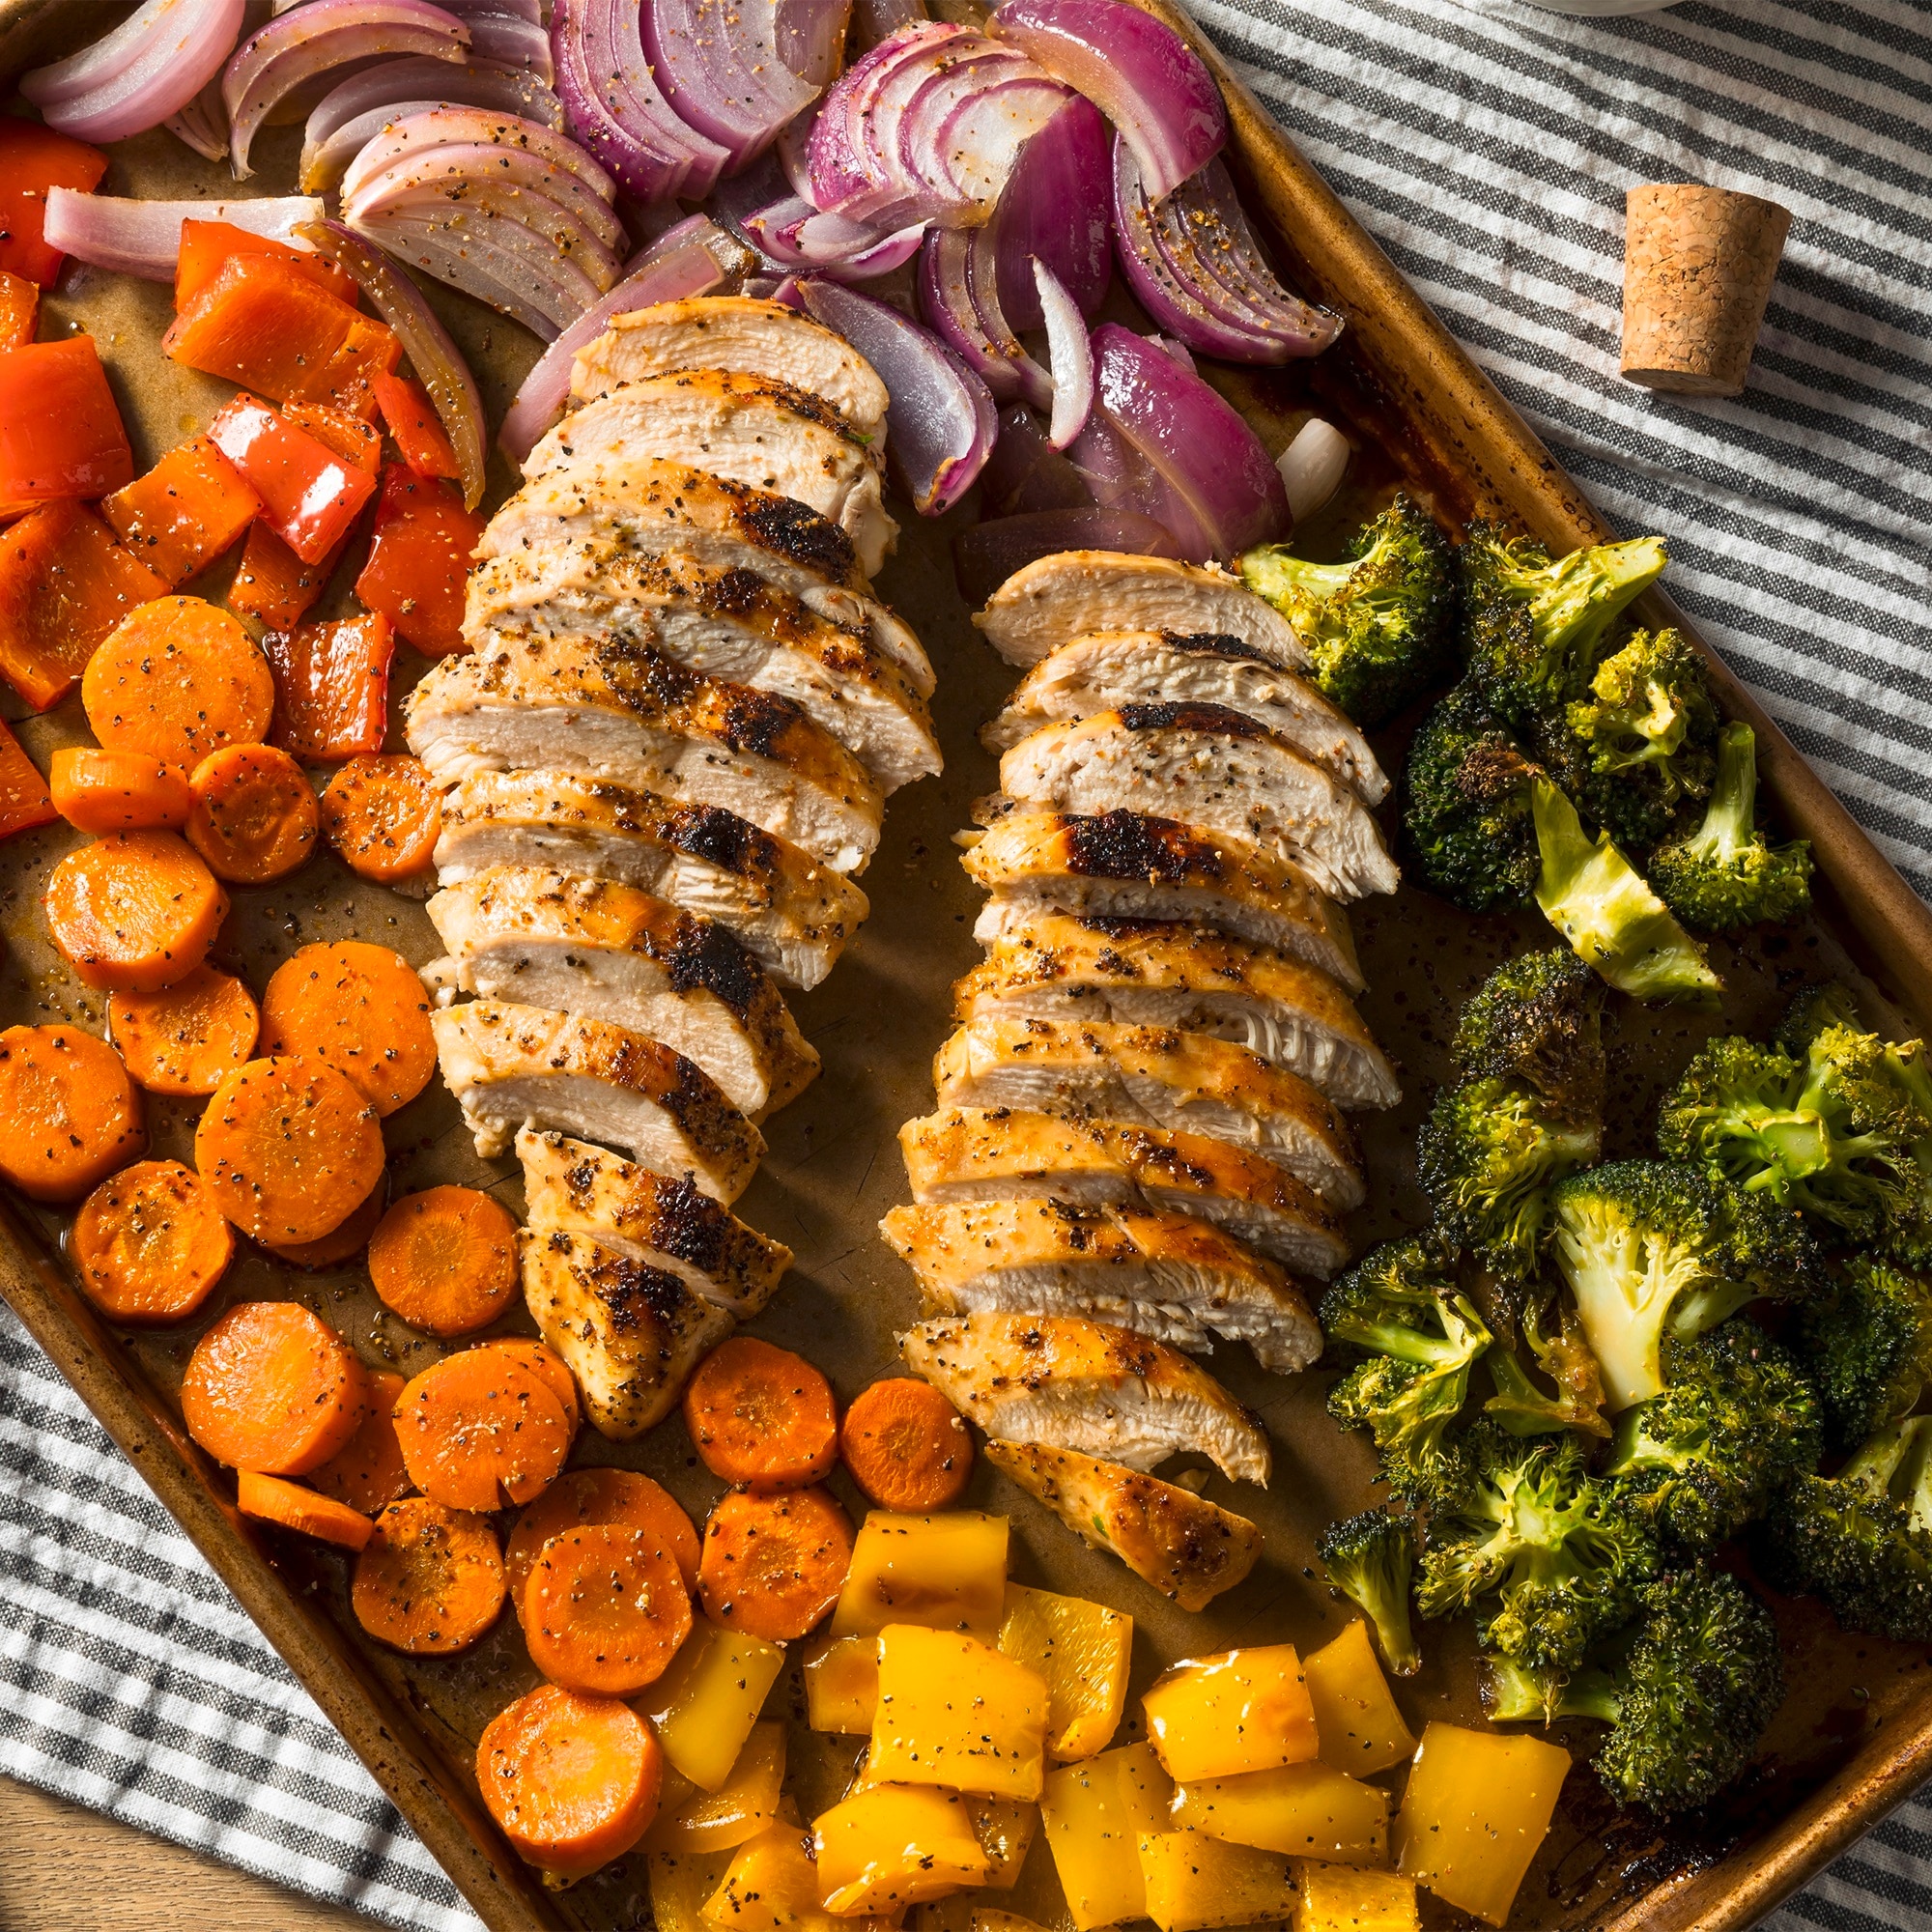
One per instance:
[(1244, 1710), (1726, 874), (1371, 1558)]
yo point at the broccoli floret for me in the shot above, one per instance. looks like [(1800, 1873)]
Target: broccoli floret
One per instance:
[(1690, 1691), (1550, 1558), (1379, 627), (1830, 1004), (1370, 1559), (1592, 894), (1869, 1348), (1908, 1236), (1538, 1019), (1737, 1423), (1534, 626), (1555, 1338), (1726, 874), (1658, 1252), (1466, 807)]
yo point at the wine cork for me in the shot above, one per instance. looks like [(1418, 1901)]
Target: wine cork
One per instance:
[(1699, 265)]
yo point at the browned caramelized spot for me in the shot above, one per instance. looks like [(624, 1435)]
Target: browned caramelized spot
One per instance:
[(787, 528), (704, 956), (691, 1226), (723, 839), (636, 1294), (756, 720), (1218, 719), (646, 681), (1217, 644), (1128, 845)]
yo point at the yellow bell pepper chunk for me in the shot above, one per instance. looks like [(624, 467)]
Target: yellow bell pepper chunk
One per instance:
[(1095, 1813), (841, 1685), (984, 1920), (1194, 1882), (1339, 1898), (1081, 1650), (771, 1886), (1306, 1810), (946, 1572), (952, 1711), (681, 1882), (689, 1817), (703, 1707), (1005, 1828), (894, 1845), (1244, 1710), (1355, 1712), (1477, 1807)]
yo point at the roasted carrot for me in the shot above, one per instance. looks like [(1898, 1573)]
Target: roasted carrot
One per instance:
[(479, 1429), (68, 1112), (184, 512), (332, 687), (348, 1237), (761, 1415), (25, 801), (271, 1388), (906, 1446), (272, 584), (368, 1472), (289, 1148), (254, 818), (133, 912), (178, 678), (272, 1499), (19, 309), (572, 1781), (585, 1496), (549, 1367), (206, 246), (185, 1039), (445, 1260), (414, 427), (383, 816), (604, 1609), (361, 1007), (774, 1565), (149, 1243), (429, 1581), (117, 792)]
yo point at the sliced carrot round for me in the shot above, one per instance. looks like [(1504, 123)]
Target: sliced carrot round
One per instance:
[(68, 1112), (445, 1260), (290, 1148), (368, 1472), (384, 814), (430, 1580), (133, 912), (587, 1496), (149, 1243), (761, 1415), (478, 1430), (254, 817), (185, 1038), (907, 1447), (272, 1499), (178, 678), (774, 1565), (117, 792), (604, 1609), (272, 1388), (572, 1781), (361, 1007), (549, 1367), (349, 1237)]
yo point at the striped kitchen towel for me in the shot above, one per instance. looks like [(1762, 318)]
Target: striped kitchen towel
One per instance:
[(1489, 151)]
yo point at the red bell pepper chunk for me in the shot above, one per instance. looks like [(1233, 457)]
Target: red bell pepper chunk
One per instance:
[(33, 160), (309, 495), (184, 512), (206, 245), (19, 307), (350, 437), (272, 584), (60, 427), (419, 559), (332, 687), (415, 426), (24, 799)]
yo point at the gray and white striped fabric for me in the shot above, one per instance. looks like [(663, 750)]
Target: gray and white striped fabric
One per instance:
[(1489, 151)]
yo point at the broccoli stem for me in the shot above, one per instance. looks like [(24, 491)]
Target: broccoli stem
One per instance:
[(1730, 820), (1576, 599)]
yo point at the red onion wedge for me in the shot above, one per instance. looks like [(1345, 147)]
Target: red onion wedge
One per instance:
[(941, 421), (960, 297), (1312, 467), (143, 238), (985, 557), (453, 127), (203, 123), (1147, 81), (512, 181), (437, 360), (1057, 208), (367, 103), (792, 233), (721, 68), (146, 70), (1070, 355), (513, 41), (1026, 474)]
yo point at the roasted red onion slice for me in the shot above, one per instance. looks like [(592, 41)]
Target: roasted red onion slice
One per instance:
[(203, 123), (503, 177), (1070, 355), (512, 40), (453, 127), (792, 233), (1312, 467), (960, 295), (149, 67), (1147, 81), (1057, 208), (985, 557), (367, 103), (721, 68), (143, 238)]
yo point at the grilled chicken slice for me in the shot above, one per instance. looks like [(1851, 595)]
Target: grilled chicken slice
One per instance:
[(1055, 599), (575, 1188), (1155, 1077), (719, 622), (631, 1333), (641, 504), (1212, 768), (793, 912), (1165, 1276), (611, 708), (1075, 1384), (1187, 1548), (746, 429), (613, 952), (1006, 1154), (737, 333), (514, 1066), (1109, 668), (1153, 972)]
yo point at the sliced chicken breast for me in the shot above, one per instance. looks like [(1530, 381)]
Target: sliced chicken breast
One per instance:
[(631, 1333), (746, 429), (1070, 1383), (575, 1188), (737, 333), (514, 1066), (1153, 972), (1179, 1280), (719, 622), (1055, 599), (613, 709), (793, 912), (1210, 767), (1006, 1153), (1124, 864), (1156, 1077), (1187, 1548), (1109, 668), (613, 952)]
